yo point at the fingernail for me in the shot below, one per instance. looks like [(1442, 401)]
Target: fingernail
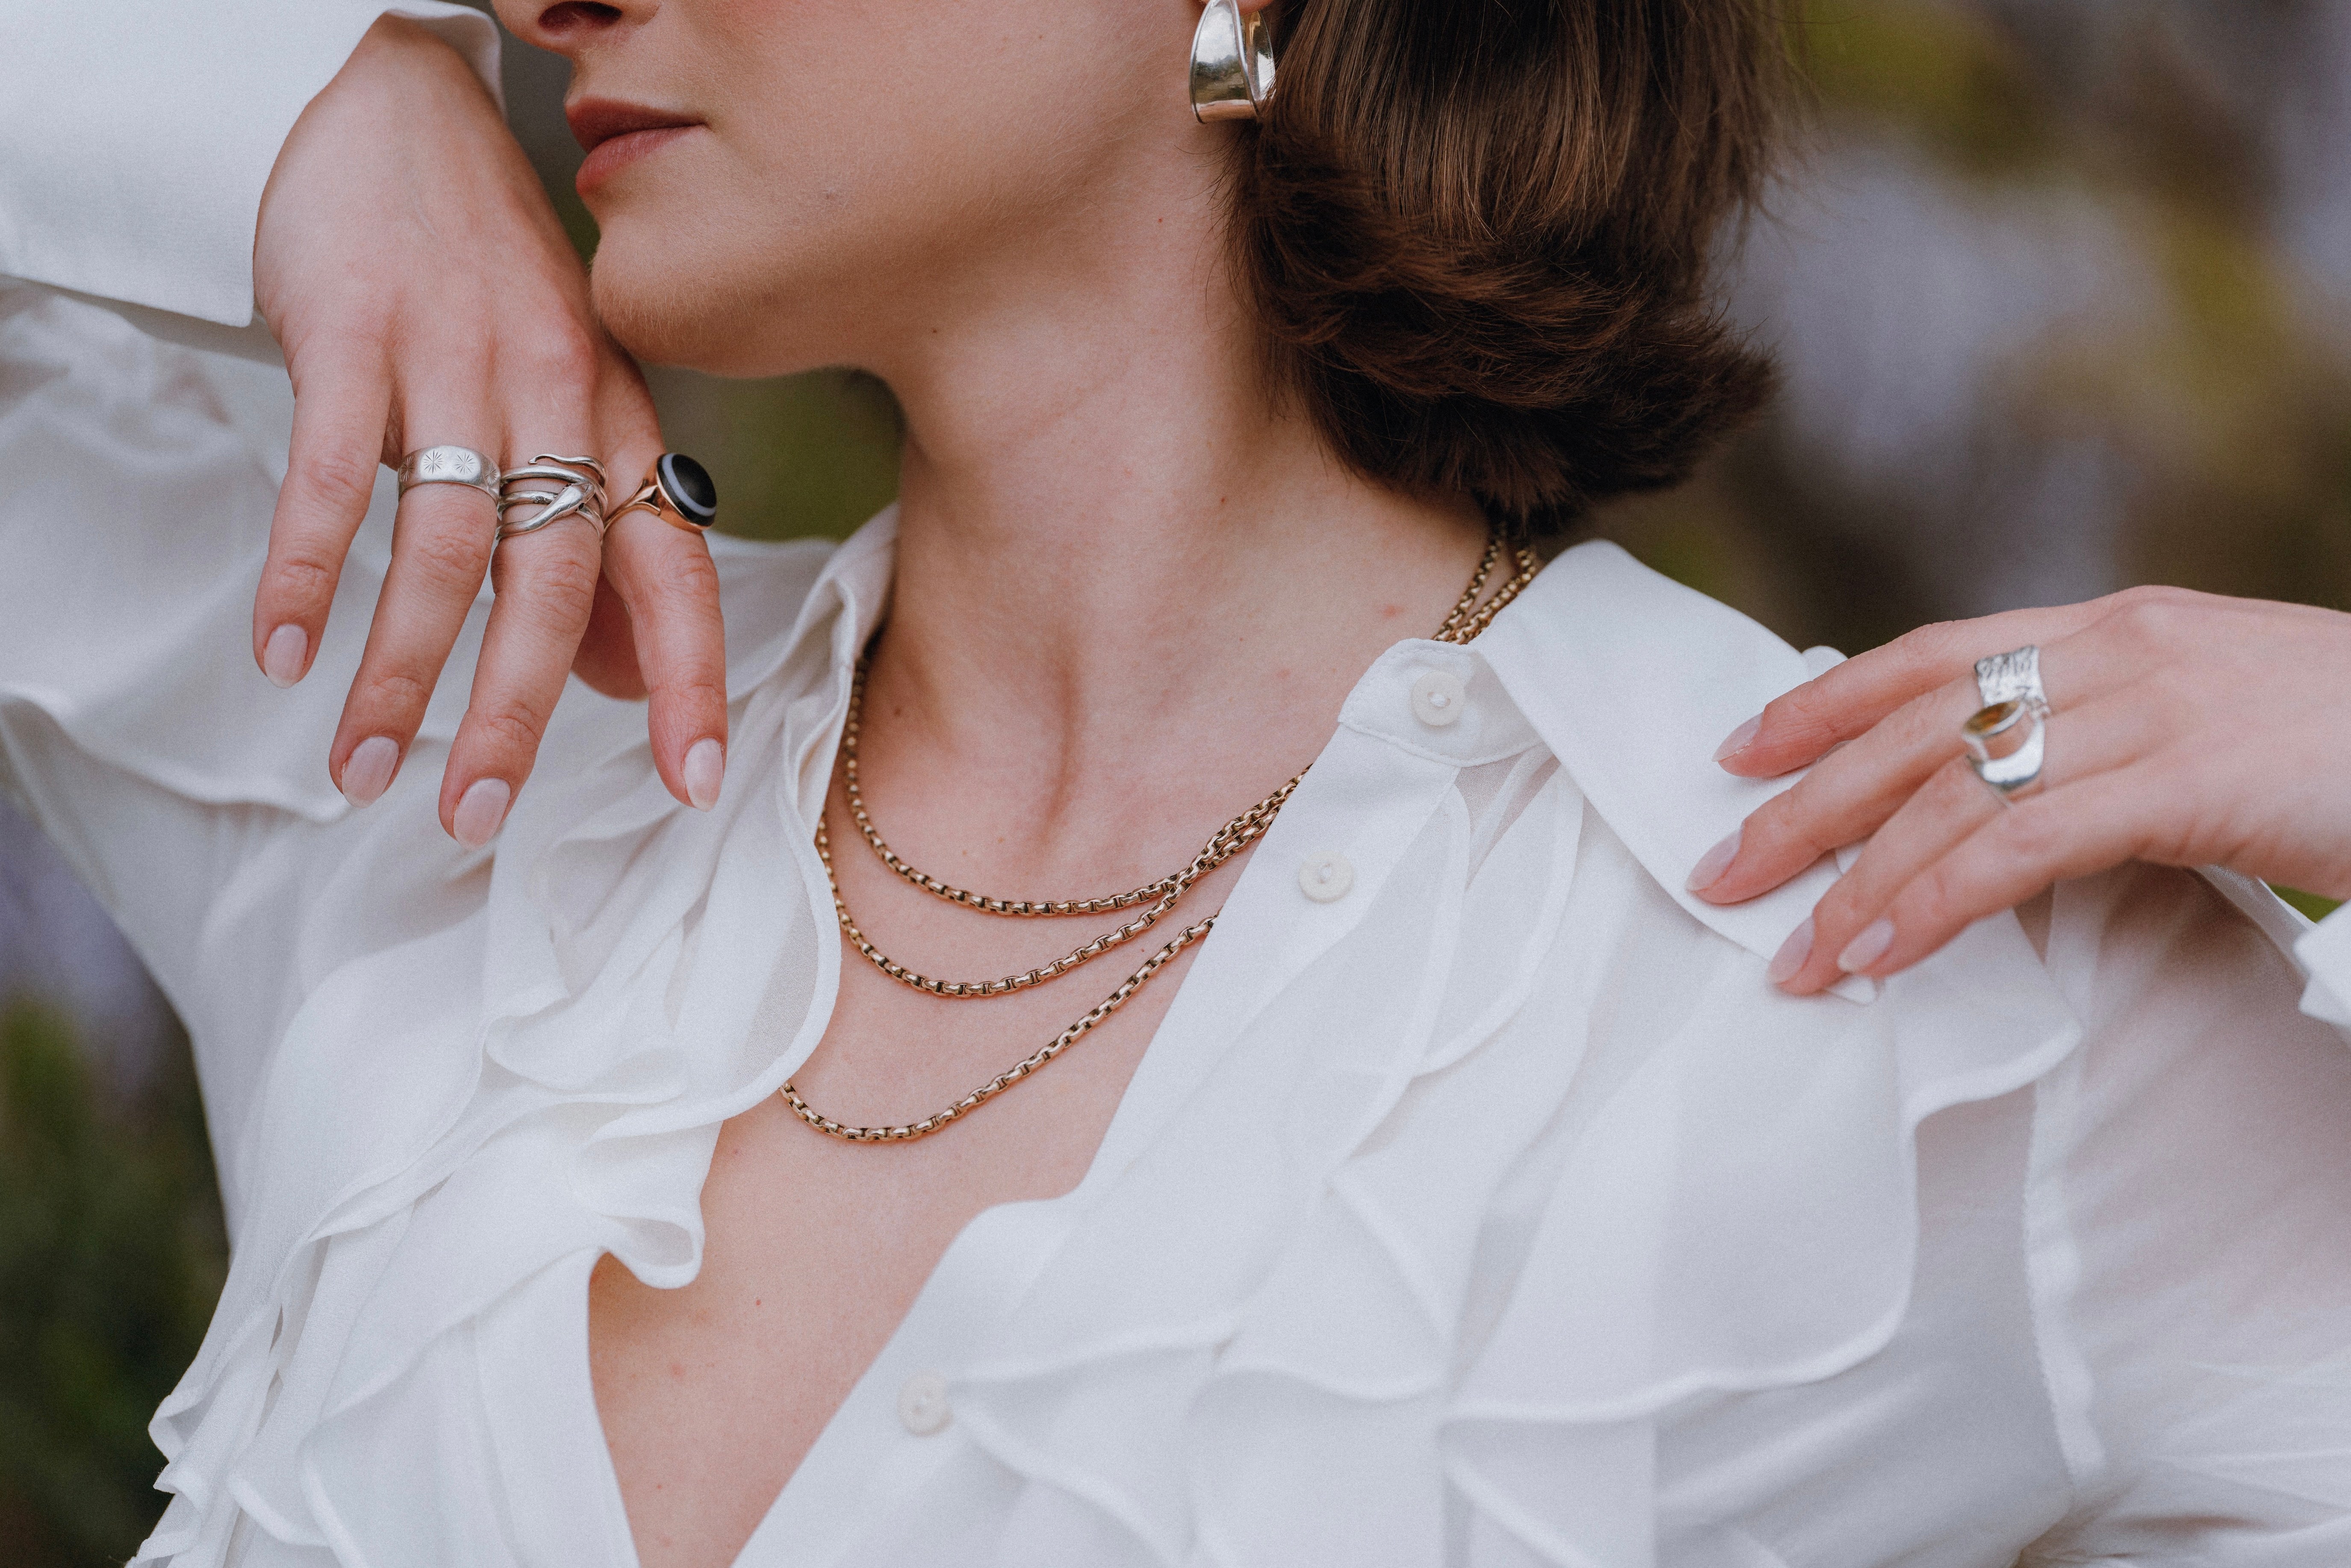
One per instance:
[(367, 772), (1867, 948), (281, 656), (1736, 739), (706, 770), (1715, 862), (1791, 954), (480, 811)]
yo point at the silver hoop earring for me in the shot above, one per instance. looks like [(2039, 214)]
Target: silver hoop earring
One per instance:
[(1232, 63)]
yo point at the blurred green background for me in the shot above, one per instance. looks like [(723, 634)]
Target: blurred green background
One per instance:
[(2058, 291)]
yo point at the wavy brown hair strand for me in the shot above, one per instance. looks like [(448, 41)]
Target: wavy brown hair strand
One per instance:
[(1477, 234)]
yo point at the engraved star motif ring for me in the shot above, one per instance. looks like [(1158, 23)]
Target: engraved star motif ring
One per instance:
[(677, 490), (449, 465), (2007, 739)]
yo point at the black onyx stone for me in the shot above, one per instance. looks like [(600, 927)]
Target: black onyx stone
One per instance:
[(689, 487)]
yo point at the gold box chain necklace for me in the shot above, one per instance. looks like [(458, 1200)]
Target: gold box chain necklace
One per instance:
[(1229, 841), (1466, 620)]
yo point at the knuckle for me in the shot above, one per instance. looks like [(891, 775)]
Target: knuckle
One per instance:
[(334, 476), (1791, 821), (1933, 894), (2155, 617), (705, 691), (1938, 643), (563, 354), (451, 559), (304, 575), (685, 583), (512, 727), (2033, 831), (393, 692), (557, 589)]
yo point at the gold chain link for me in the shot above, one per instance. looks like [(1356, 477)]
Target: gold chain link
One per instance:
[(1466, 620)]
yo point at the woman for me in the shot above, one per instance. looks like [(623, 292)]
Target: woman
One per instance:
[(1476, 1199)]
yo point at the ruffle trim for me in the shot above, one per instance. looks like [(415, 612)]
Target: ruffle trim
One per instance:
[(1527, 1240), (424, 1151), (1526, 1273)]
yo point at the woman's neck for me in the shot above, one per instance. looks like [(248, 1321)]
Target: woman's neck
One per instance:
[(1129, 587)]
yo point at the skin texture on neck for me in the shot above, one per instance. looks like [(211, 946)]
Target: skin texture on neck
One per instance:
[(1130, 589)]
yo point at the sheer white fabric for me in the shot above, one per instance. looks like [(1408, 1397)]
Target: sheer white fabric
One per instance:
[(1495, 1214)]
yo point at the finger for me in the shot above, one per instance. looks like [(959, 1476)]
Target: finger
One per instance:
[(665, 577), (339, 422), (440, 553), (1851, 927), (2095, 824), (1799, 725), (1939, 817), (607, 659), (1851, 794), (1848, 795), (546, 586)]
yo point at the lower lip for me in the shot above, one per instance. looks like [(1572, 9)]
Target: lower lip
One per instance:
[(617, 153)]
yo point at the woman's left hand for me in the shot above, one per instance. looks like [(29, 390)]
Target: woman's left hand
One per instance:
[(2184, 729)]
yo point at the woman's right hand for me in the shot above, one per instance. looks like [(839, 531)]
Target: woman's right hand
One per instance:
[(424, 294)]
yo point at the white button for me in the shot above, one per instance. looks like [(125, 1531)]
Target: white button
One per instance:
[(923, 1403), (1438, 698), (1326, 877)]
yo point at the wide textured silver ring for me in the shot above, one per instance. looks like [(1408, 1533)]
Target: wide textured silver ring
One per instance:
[(2007, 738), (2014, 676), (580, 494), (450, 466)]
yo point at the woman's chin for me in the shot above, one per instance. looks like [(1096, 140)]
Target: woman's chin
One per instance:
[(663, 313)]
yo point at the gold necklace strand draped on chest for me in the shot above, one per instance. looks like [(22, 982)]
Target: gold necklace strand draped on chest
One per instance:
[(1468, 619)]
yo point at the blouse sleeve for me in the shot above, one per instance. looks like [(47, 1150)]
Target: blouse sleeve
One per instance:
[(2326, 955), (190, 794), (133, 172), (2190, 1229)]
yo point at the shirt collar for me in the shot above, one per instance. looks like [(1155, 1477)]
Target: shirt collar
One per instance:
[(1629, 678), (1632, 680)]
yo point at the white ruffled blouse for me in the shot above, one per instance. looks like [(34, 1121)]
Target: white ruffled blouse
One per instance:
[(1495, 1213)]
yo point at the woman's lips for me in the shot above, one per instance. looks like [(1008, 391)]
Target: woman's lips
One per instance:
[(617, 153), (616, 134)]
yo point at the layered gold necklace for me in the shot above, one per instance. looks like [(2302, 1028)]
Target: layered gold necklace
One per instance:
[(1155, 900)]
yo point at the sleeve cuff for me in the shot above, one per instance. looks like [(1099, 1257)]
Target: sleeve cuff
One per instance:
[(2326, 953), (139, 178)]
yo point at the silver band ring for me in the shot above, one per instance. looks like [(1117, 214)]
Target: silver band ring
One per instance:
[(2014, 698), (450, 466), (581, 495), (2018, 770)]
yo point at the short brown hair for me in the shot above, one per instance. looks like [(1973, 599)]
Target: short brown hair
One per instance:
[(1478, 232)]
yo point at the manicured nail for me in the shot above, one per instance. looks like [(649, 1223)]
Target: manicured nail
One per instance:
[(1791, 954), (1715, 862), (367, 772), (706, 770), (480, 811), (1736, 739), (281, 656), (1867, 948)]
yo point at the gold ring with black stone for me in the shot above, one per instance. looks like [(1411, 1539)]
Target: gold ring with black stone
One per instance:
[(677, 490)]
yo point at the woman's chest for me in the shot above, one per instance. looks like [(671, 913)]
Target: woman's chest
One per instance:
[(1330, 1415), (816, 1246)]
